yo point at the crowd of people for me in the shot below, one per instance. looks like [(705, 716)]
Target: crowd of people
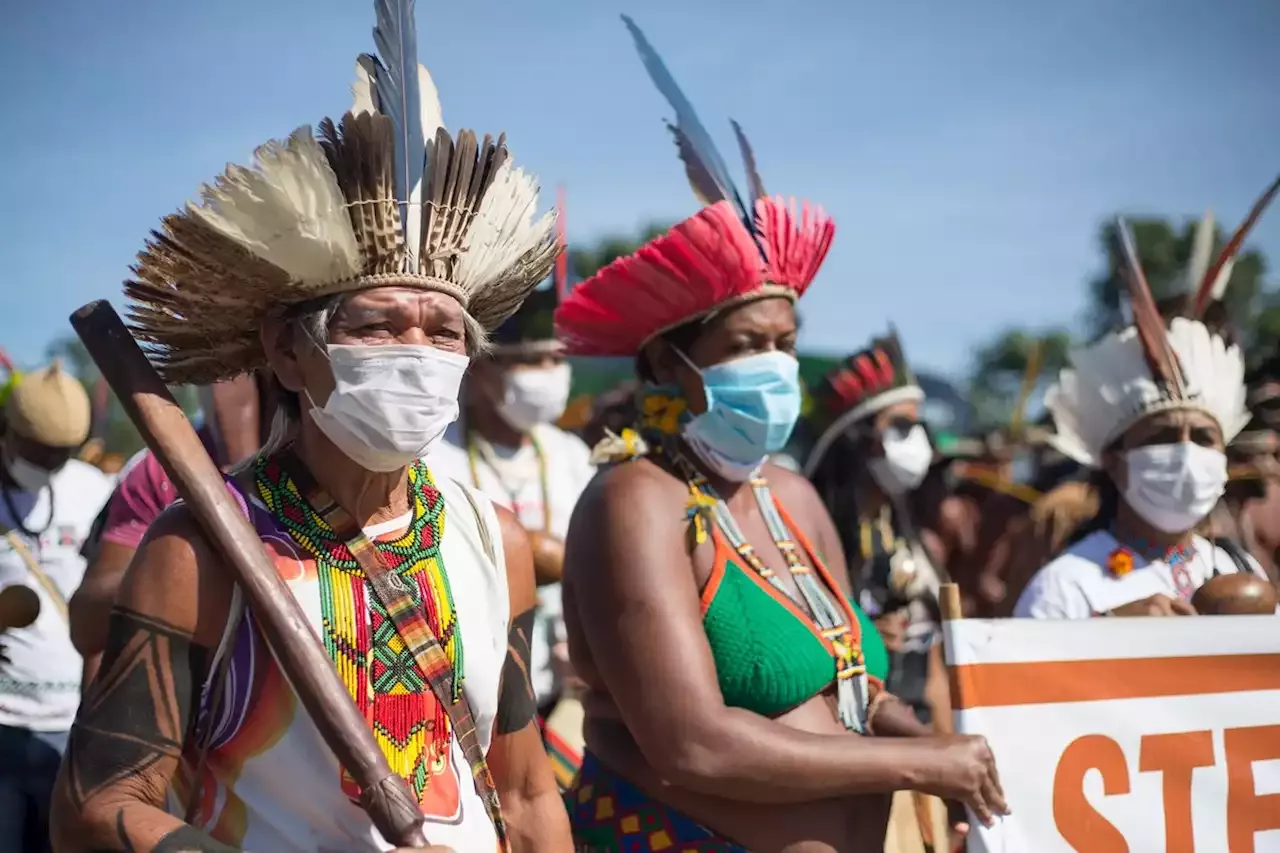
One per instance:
[(707, 620)]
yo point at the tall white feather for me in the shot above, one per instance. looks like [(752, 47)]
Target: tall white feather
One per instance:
[(364, 91), (1109, 387), (287, 210), (1201, 253), (504, 228), (432, 113)]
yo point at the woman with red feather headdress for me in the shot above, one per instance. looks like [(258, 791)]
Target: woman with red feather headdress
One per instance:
[(734, 691)]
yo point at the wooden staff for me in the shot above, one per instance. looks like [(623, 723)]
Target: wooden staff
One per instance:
[(384, 795)]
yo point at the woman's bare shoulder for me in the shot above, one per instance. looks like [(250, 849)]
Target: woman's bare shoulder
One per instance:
[(631, 515), (635, 483)]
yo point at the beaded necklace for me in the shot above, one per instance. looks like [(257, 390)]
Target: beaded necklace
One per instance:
[(1178, 558), (478, 445), (379, 672), (852, 691)]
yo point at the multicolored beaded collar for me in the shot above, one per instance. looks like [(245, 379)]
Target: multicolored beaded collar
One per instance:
[(1122, 560)]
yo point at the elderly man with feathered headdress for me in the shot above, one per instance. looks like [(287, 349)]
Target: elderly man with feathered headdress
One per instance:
[(1153, 406), (364, 267)]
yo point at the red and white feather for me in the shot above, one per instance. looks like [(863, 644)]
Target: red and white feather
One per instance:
[(705, 261), (796, 239)]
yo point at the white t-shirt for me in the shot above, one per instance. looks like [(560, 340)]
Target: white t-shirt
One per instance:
[(511, 477), (1078, 584), (40, 686)]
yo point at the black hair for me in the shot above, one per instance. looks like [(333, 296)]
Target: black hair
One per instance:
[(835, 479), (682, 337), (1108, 505)]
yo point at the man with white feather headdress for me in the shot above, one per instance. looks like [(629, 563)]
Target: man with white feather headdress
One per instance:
[(364, 268), (1153, 406)]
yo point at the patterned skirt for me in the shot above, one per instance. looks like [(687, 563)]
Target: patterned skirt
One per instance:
[(610, 815)]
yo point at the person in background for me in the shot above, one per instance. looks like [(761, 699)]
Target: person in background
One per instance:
[(1153, 407), (871, 464), (507, 445), (236, 416), (1159, 442), (1245, 514), (48, 502), (870, 456), (1068, 500)]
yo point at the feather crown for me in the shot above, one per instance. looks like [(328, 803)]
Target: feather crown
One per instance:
[(868, 380), (1145, 368), (702, 265), (384, 197), (733, 251), (1110, 387), (864, 383)]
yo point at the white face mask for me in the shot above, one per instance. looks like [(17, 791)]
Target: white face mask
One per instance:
[(905, 462), (534, 396), (1174, 486), (390, 404), (28, 476)]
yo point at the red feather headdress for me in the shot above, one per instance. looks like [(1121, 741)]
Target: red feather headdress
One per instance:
[(707, 262)]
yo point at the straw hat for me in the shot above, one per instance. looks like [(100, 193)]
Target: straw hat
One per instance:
[(49, 406)]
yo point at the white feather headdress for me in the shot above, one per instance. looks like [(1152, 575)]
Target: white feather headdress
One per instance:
[(1109, 387), (386, 196)]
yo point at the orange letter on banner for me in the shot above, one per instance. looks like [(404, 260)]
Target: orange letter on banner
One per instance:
[(1177, 755), (1079, 823), (1248, 813)]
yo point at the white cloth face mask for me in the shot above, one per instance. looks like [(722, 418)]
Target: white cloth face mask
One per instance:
[(905, 462), (1174, 486), (534, 395), (390, 404), (29, 476)]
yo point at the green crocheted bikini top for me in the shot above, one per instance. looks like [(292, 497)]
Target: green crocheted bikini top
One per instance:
[(771, 652), (770, 656)]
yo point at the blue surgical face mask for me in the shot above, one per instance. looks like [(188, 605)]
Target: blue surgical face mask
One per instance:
[(752, 407)]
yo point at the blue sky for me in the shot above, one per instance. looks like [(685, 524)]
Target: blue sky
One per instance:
[(967, 150)]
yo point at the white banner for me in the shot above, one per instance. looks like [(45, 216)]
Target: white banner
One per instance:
[(1125, 735)]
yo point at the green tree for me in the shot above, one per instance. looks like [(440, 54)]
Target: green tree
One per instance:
[(1164, 250), (1001, 366)]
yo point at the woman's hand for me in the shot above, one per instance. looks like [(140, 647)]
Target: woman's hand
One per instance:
[(1156, 605), (965, 770)]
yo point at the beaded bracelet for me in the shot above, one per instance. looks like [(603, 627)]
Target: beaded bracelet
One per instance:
[(874, 705)]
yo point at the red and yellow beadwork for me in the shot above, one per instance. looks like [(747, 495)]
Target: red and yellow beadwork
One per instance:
[(379, 672)]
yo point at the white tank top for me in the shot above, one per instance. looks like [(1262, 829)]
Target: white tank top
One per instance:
[(270, 783)]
